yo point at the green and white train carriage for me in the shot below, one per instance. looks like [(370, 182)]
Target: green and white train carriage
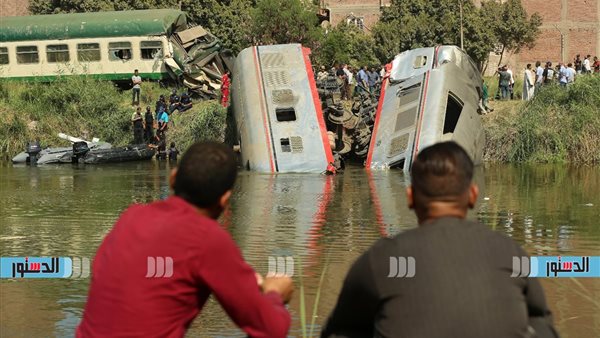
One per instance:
[(110, 45)]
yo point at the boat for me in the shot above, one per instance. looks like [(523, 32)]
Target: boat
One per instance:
[(53, 154), (279, 122), (81, 153), (429, 95)]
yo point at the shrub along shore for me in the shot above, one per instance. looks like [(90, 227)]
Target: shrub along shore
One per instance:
[(559, 125), (86, 107)]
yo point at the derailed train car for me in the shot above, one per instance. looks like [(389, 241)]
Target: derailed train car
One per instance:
[(279, 121), (430, 95)]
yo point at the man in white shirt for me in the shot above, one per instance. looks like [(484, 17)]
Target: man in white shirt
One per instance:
[(539, 76), (136, 79), (511, 83), (570, 73), (586, 65)]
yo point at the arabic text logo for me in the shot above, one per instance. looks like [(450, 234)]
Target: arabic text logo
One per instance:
[(556, 266), (44, 267), (159, 267)]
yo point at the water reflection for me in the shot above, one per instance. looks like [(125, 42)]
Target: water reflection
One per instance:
[(326, 221)]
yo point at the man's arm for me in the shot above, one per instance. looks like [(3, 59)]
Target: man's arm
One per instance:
[(234, 284), (354, 313)]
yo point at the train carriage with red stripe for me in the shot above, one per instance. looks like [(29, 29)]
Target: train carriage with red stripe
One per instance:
[(430, 95), (277, 111)]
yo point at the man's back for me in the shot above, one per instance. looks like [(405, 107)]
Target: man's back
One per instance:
[(461, 288), (155, 270)]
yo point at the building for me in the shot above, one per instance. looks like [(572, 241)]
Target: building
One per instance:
[(362, 13), (14, 7)]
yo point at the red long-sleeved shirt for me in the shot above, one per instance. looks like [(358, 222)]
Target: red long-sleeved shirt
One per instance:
[(122, 301)]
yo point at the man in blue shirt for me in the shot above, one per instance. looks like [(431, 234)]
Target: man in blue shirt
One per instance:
[(163, 122), (362, 80), (373, 80)]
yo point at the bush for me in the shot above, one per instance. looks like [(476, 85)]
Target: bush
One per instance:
[(206, 121)]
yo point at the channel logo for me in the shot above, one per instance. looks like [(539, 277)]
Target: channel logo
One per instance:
[(280, 266), (44, 267), (556, 266), (402, 267), (159, 267)]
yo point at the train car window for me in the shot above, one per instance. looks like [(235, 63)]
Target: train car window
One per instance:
[(3, 55), (27, 54), (57, 53), (87, 52), (285, 114), (420, 61), (119, 51), (150, 49), (454, 107)]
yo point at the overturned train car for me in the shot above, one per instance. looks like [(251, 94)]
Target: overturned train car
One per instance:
[(278, 116), (430, 95)]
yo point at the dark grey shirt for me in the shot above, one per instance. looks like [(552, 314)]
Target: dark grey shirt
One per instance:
[(461, 288)]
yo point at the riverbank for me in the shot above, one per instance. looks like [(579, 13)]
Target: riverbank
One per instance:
[(557, 126), (87, 108)]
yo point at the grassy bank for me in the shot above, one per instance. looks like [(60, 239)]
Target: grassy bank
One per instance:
[(87, 108), (558, 125)]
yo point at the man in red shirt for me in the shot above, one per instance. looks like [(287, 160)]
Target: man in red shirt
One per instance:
[(225, 84), (158, 265)]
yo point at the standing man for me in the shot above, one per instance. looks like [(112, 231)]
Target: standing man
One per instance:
[(138, 126), (504, 82), (460, 285), (563, 77), (342, 81), (349, 81), (570, 74), (587, 68), (578, 64), (362, 80), (156, 268), (225, 84), (163, 123), (374, 79), (511, 83), (528, 83), (136, 79), (539, 76), (149, 125)]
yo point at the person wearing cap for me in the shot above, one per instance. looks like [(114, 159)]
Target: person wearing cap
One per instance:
[(449, 277)]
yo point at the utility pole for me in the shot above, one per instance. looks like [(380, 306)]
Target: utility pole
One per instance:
[(460, 4)]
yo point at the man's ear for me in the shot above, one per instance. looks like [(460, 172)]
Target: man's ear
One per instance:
[(224, 200), (473, 194), (172, 178), (410, 198)]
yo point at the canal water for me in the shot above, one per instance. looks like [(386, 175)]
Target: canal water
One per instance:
[(324, 221)]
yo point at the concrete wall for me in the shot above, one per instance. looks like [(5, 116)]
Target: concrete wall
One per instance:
[(14, 7)]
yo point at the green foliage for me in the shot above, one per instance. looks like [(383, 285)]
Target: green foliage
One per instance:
[(205, 122), (346, 44), (409, 24), (511, 25), (558, 125), (285, 21)]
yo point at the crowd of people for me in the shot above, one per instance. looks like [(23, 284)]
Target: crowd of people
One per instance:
[(151, 128), (563, 74), (351, 81)]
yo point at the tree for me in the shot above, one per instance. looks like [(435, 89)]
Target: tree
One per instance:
[(408, 24), (346, 44), (285, 21), (512, 28)]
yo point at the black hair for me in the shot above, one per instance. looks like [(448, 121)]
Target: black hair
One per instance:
[(206, 171), (172, 145), (442, 172)]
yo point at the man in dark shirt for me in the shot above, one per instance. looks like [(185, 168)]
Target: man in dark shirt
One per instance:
[(461, 286), (174, 101), (156, 268), (161, 103), (138, 126), (149, 125), (185, 103)]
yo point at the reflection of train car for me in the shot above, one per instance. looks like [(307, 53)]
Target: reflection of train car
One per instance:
[(431, 95), (110, 45), (280, 125)]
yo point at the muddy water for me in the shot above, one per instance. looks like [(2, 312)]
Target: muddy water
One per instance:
[(326, 221)]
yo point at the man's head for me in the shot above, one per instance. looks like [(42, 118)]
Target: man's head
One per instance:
[(135, 72), (538, 63), (147, 109), (529, 66), (138, 110), (570, 65), (205, 177), (442, 182)]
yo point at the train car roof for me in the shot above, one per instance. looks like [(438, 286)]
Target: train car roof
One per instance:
[(92, 25)]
